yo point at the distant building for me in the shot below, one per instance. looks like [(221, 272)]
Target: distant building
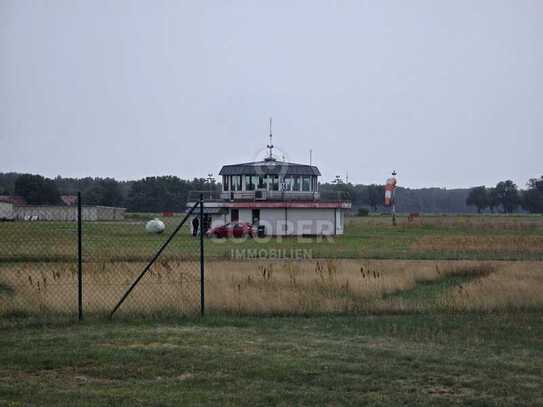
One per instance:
[(283, 197), (69, 200), (16, 208), (13, 199), (67, 213), (13, 207), (6, 210)]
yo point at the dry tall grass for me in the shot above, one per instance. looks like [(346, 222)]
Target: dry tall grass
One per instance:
[(169, 287), (486, 243), (515, 286), (467, 222), (276, 287)]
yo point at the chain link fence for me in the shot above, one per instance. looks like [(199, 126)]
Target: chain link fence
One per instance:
[(38, 268), (40, 264)]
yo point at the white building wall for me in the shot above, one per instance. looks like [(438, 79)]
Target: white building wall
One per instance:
[(273, 220), (218, 220), (290, 221), (340, 218), (6, 210), (309, 221), (302, 221), (245, 215), (67, 213), (107, 212)]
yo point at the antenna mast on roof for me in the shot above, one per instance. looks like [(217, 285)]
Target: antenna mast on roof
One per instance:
[(270, 146)]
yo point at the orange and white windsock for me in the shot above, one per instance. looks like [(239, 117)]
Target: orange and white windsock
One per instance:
[(390, 186)]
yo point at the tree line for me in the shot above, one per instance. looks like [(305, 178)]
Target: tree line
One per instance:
[(151, 194), (507, 197), (170, 193), (408, 200)]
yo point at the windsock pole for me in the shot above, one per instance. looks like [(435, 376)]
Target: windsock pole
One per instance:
[(390, 189), (393, 210), (394, 199)]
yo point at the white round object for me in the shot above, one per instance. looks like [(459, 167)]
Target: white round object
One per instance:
[(155, 226)]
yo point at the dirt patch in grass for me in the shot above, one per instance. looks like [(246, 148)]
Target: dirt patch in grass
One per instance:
[(150, 345)]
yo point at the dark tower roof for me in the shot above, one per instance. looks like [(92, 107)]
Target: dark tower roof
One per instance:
[(269, 167)]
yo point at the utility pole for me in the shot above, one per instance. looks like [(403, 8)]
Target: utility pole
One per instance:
[(211, 182)]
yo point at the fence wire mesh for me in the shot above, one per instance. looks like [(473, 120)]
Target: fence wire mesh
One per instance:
[(39, 268), (115, 253)]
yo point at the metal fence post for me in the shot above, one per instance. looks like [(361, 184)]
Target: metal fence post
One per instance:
[(79, 259), (202, 290)]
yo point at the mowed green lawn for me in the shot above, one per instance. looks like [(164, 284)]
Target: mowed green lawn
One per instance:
[(463, 359), (485, 237)]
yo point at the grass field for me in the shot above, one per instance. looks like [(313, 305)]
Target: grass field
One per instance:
[(473, 237), (445, 310), (416, 359)]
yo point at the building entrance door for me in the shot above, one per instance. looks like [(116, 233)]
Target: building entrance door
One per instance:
[(256, 217), (234, 215), (206, 223)]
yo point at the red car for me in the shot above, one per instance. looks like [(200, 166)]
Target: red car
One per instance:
[(234, 229)]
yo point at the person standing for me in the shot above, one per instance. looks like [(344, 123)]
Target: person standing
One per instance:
[(195, 226)]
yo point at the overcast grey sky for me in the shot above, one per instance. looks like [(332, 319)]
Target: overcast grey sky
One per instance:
[(448, 92)]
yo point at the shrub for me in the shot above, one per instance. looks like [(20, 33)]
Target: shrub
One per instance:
[(363, 212)]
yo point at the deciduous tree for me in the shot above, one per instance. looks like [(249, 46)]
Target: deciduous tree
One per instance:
[(376, 196), (507, 196), (532, 198), (478, 197), (37, 190)]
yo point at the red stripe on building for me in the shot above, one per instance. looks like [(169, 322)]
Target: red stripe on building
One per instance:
[(291, 204)]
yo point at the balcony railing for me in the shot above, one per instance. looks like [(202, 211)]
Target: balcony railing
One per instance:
[(207, 195), (262, 195), (269, 196)]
